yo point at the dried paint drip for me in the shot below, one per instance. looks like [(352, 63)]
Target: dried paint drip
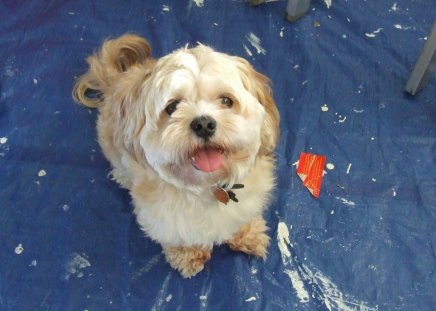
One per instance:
[(76, 263), (42, 173), (199, 3), (374, 33), (19, 249)]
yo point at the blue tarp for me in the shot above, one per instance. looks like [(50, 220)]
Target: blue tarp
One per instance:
[(68, 238)]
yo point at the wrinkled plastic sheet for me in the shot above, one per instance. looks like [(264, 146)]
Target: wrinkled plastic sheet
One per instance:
[(68, 239)]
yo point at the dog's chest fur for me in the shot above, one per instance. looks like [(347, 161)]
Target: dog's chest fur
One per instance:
[(174, 216)]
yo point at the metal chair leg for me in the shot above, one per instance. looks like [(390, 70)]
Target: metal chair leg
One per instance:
[(424, 66), (296, 9)]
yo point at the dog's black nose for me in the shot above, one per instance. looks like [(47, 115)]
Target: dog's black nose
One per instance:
[(203, 126)]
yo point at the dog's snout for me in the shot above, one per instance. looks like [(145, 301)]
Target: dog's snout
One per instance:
[(203, 126)]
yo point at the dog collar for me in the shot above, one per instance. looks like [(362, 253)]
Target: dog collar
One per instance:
[(224, 195)]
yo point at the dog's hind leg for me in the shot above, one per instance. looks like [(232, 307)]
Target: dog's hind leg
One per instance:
[(187, 260), (251, 239)]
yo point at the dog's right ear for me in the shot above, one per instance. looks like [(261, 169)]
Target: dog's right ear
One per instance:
[(115, 57)]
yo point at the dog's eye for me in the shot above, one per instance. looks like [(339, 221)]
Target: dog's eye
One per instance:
[(227, 101), (172, 106)]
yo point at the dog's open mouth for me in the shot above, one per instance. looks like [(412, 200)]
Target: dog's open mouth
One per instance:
[(208, 159)]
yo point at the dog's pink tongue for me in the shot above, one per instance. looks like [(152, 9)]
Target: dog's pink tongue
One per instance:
[(208, 160)]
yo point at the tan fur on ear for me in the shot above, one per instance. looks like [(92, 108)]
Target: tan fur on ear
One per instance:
[(259, 85), (114, 58)]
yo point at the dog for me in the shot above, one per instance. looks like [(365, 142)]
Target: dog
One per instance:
[(191, 135)]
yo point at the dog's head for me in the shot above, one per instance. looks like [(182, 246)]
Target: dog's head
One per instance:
[(196, 116), (208, 116)]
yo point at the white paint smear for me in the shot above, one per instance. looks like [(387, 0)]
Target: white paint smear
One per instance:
[(42, 173), (255, 42), (168, 298), (281, 32), (19, 249), (358, 111), (324, 108), (165, 8), (349, 168), (251, 299), (199, 3), (247, 50), (346, 202), (203, 297), (283, 241), (3, 140), (321, 286), (328, 3), (76, 263), (394, 7), (374, 33)]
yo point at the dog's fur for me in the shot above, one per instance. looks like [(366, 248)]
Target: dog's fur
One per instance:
[(152, 151)]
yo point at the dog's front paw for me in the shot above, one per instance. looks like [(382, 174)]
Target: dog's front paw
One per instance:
[(187, 260), (251, 239)]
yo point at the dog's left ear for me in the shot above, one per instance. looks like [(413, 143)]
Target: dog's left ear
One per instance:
[(259, 85)]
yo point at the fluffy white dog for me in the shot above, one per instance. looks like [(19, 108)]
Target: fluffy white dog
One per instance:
[(191, 135)]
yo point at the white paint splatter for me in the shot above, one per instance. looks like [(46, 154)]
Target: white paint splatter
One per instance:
[(71, 13), (247, 50), (394, 7), (328, 3), (349, 168), (342, 120), (76, 263), (254, 271), (66, 208), (251, 299), (394, 192), (298, 285), (19, 249), (322, 287), (281, 32), (332, 212), (3, 140), (35, 81), (324, 108), (374, 33), (199, 3), (203, 297), (283, 240), (345, 201), (33, 263), (372, 138), (215, 24), (168, 298), (358, 111), (296, 67), (330, 166), (165, 8), (399, 27), (255, 42), (373, 179), (42, 173)]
